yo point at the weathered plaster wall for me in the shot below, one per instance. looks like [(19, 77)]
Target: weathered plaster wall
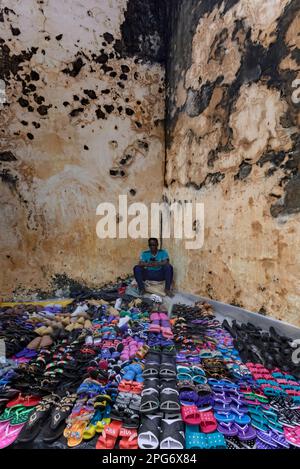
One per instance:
[(82, 124), (233, 143)]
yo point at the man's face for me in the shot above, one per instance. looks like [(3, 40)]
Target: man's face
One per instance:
[(153, 245)]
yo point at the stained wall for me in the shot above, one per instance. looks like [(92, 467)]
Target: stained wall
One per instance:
[(82, 123), (233, 144)]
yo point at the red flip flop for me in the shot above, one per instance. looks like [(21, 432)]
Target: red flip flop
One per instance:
[(26, 401), (125, 386), (129, 438), (109, 435), (136, 387)]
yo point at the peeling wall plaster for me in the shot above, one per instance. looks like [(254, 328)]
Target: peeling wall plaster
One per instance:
[(233, 143), (82, 124)]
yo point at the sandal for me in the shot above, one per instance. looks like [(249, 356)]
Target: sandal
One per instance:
[(109, 435), (149, 432), (172, 434), (191, 415), (208, 423)]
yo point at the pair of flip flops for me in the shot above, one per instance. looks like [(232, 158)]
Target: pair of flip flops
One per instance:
[(243, 432), (196, 440)]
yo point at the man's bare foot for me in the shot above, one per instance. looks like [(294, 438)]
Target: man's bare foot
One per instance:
[(169, 293)]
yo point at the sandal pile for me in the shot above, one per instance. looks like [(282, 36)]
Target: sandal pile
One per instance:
[(115, 371)]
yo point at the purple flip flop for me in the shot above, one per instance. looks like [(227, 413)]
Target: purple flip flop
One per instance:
[(245, 432), (266, 437), (261, 445), (228, 429)]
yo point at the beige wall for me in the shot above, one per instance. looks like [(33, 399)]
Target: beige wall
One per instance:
[(60, 142), (233, 144)]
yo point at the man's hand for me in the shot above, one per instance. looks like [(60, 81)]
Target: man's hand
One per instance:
[(154, 263)]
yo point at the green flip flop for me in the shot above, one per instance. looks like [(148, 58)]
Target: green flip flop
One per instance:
[(21, 415), (9, 412)]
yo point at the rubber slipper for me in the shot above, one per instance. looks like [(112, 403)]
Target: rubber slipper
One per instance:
[(191, 415), (76, 433), (129, 438), (9, 435), (208, 423), (109, 435), (194, 439), (225, 417), (149, 432), (245, 432), (216, 441), (57, 422), (227, 428), (266, 437), (172, 434), (21, 415)]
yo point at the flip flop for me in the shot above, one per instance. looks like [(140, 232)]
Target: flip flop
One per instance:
[(266, 437), (245, 432), (291, 436), (227, 429), (76, 433), (21, 415), (55, 426), (9, 435), (35, 422), (225, 417)]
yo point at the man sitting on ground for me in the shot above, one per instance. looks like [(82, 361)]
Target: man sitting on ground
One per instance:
[(154, 265)]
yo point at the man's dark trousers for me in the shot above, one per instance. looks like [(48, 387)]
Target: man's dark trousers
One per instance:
[(164, 273)]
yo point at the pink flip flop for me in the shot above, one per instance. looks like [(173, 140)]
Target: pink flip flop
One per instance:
[(10, 434), (155, 316), (292, 435), (163, 316)]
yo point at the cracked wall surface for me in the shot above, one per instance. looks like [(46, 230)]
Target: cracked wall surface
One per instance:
[(233, 144), (83, 123)]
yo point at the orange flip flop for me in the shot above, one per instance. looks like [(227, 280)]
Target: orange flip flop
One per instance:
[(76, 433)]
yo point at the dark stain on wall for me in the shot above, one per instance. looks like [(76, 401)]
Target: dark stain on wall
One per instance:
[(143, 31), (11, 64), (7, 156), (244, 171)]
